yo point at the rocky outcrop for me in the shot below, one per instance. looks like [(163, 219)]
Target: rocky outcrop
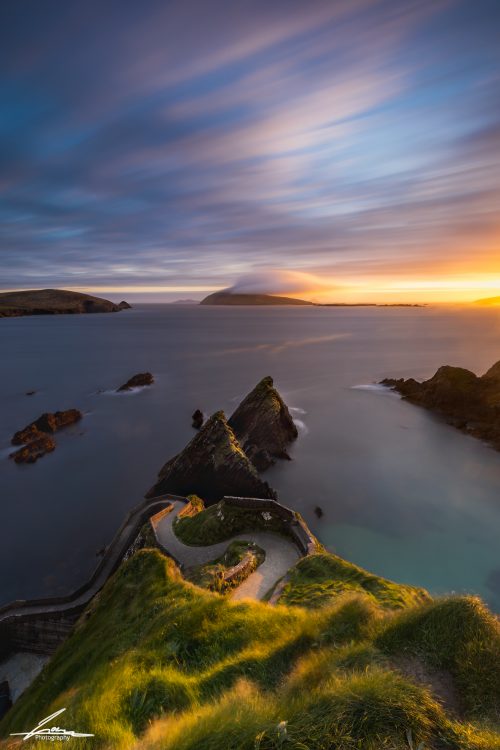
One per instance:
[(263, 425), (124, 305), (35, 437), (38, 445), (137, 381), (54, 302), (465, 400), (48, 423), (197, 419), (212, 465)]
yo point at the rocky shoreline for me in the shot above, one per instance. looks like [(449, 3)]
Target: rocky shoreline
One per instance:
[(469, 402)]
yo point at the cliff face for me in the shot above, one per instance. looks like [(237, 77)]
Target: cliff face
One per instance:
[(212, 465), (263, 425), (226, 297), (467, 401), (54, 302)]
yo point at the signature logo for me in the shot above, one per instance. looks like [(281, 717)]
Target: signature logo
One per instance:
[(50, 734)]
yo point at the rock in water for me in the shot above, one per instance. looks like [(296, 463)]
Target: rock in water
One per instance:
[(212, 465), (197, 419), (48, 423), (263, 425), (137, 381), (39, 444)]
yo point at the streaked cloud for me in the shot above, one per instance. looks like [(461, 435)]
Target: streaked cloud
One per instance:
[(186, 145)]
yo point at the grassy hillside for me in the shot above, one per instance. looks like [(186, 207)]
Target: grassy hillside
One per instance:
[(160, 663), (200, 526)]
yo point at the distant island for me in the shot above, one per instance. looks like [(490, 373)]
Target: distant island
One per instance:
[(227, 297), (54, 302)]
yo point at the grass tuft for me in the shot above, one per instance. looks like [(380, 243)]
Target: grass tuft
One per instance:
[(158, 662)]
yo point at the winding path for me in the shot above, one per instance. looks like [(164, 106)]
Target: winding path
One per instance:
[(281, 554)]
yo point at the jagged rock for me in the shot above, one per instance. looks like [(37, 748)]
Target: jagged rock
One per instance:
[(197, 419), (137, 381), (263, 425), (211, 466), (465, 400), (48, 423), (39, 444)]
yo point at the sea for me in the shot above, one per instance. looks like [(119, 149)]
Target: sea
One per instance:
[(402, 493)]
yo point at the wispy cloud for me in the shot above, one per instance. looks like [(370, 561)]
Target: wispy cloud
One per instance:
[(186, 144)]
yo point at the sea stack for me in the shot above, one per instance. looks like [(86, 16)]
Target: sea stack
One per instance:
[(212, 465), (263, 425)]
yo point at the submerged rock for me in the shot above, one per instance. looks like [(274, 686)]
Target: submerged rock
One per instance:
[(47, 423), (197, 419), (211, 466), (465, 400), (39, 444), (137, 381), (263, 425)]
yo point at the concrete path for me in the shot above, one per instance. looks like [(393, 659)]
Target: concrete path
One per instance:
[(281, 554)]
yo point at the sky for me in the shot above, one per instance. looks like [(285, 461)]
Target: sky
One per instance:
[(342, 150)]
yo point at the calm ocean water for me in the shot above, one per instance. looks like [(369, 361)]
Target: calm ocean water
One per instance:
[(403, 494)]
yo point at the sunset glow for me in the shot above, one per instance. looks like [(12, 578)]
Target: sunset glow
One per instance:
[(357, 142)]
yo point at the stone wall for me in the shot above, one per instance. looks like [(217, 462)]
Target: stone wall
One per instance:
[(294, 524), (41, 625)]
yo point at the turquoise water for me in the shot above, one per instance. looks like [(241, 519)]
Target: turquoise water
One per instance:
[(403, 494)]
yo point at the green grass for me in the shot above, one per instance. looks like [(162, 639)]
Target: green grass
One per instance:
[(222, 521), (320, 578), (459, 635), (160, 663), (211, 575)]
